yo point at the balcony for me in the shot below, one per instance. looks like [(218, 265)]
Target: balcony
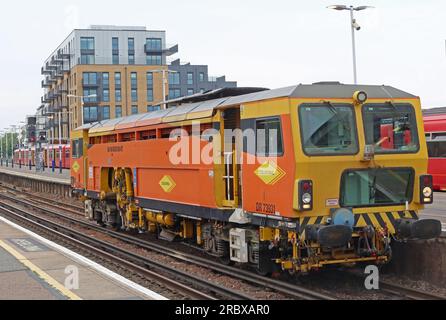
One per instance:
[(45, 84), (59, 74), (60, 106), (156, 49), (55, 60), (63, 56), (44, 71), (50, 67)]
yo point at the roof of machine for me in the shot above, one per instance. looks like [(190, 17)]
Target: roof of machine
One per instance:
[(198, 107)]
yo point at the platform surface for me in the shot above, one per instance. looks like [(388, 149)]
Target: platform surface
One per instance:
[(47, 175), (32, 269)]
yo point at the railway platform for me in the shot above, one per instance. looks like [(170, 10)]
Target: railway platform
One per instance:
[(46, 175), (45, 182), (34, 268)]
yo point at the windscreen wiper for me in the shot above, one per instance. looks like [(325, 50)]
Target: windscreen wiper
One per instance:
[(332, 108)]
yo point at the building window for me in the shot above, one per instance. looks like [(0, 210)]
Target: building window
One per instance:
[(131, 44), (174, 93), (118, 79), (134, 80), (201, 76), (90, 114), (115, 59), (87, 58), (87, 43), (105, 80), (134, 95), (106, 95), (93, 93), (190, 78), (90, 78), (153, 60), (105, 112), (202, 90), (115, 50), (153, 108), (190, 92), (174, 78), (131, 58), (115, 43), (134, 109), (154, 44), (149, 94), (118, 112), (149, 79), (118, 97)]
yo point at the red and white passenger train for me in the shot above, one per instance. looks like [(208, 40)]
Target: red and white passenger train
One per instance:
[(25, 156)]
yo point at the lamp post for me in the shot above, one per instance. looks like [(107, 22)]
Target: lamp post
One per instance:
[(53, 114), (82, 103), (164, 72), (20, 138), (7, 149), (355, 27), (1, 147), (13, 130)]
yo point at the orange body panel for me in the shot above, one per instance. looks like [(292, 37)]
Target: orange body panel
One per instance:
[(193, 183), (276, 198)]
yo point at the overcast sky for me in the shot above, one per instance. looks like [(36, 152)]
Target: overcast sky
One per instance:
[(255, 42)]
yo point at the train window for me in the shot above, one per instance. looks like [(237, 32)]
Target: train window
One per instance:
[(377, 187), (437, 149), (328, 129), (147, 135), (269, 137), (76, 147), (391, 128)]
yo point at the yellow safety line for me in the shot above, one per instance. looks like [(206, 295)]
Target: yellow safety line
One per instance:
[(42, 274)]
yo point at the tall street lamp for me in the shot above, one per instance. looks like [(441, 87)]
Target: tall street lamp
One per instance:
[(1, 145), (165, 82), (6, 146), (354, 26), (12, 132), (82, 103)]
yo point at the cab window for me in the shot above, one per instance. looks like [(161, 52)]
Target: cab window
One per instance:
[(391, 128), (328, 129), (269, 137), (76, 147)]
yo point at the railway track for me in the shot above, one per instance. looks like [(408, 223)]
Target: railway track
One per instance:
[(277, 285), (288, 289), (44, 200), (401, 291), (124, 258), (408, 293)]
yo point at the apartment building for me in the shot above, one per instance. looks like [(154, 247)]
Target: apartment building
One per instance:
[(106, 72)]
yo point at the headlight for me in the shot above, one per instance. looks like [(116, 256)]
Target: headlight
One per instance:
[(306, 198), (427, 192)]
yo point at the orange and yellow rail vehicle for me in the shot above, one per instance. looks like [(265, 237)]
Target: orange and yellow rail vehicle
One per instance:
[(292, 179)]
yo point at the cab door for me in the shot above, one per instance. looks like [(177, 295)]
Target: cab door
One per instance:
[(230, 129)]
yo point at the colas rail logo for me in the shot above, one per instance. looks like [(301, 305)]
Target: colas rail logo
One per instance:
[(167, 184), (270, 173), (76, 166)]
